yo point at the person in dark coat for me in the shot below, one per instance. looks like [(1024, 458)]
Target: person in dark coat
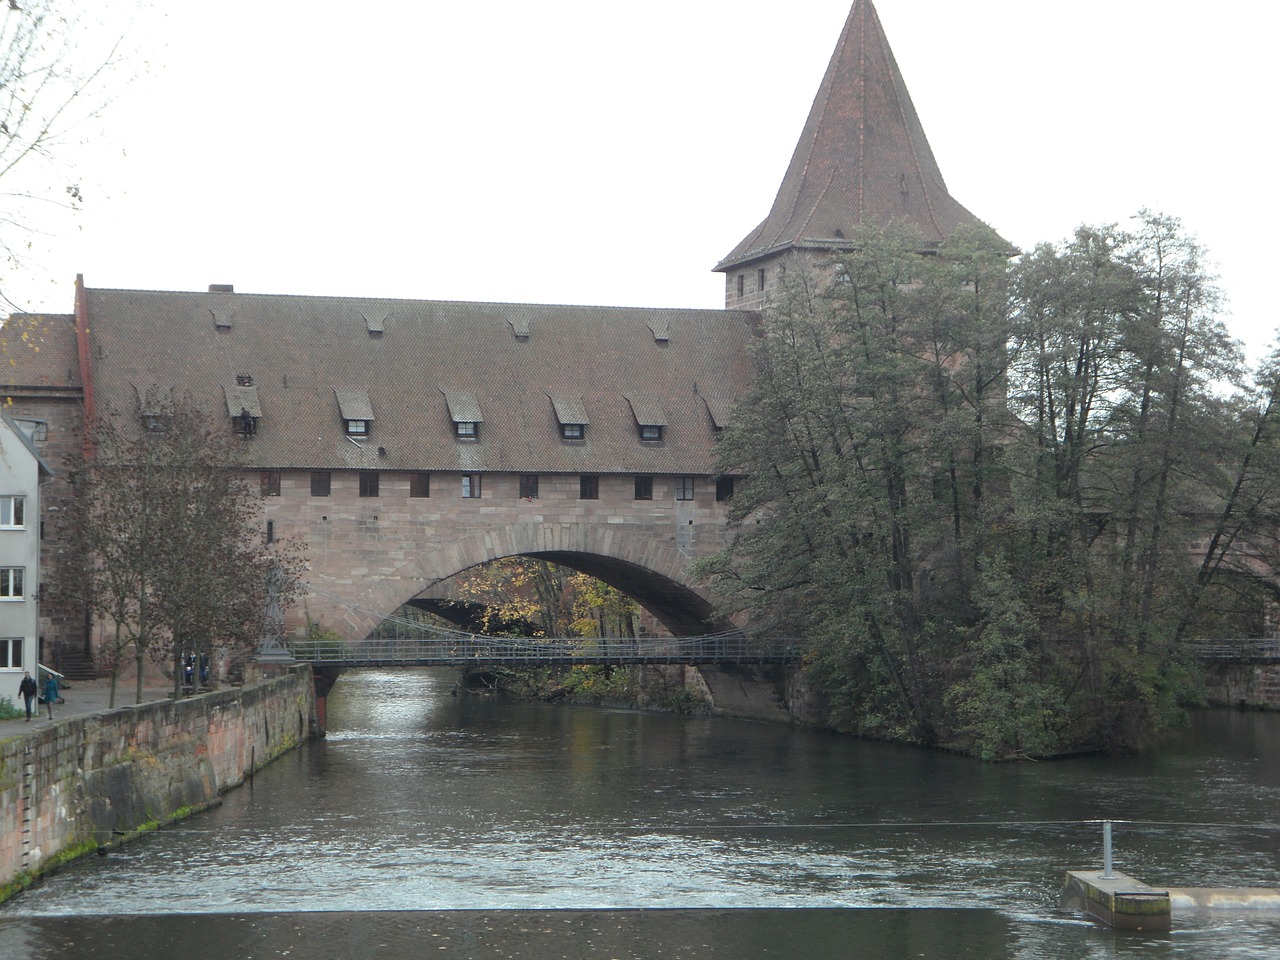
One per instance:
[(50, 693), (28, 689)]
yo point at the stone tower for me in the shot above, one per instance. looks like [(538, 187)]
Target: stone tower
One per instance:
[(862, 158)]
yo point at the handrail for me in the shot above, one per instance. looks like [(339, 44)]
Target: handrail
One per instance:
[(1238, 649), (477, 649)]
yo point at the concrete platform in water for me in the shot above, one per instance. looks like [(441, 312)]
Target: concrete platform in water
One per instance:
[(1118, 900)]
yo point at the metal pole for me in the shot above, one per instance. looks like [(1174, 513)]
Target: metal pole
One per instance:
[(1106, 849)]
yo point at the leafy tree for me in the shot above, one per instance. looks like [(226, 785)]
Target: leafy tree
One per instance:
[(167, 548), (545, 599), (1014, 584)]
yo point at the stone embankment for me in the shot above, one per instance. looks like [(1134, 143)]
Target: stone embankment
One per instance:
[(1248, 686), (84, 783)]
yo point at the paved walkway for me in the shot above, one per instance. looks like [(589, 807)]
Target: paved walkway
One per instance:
[(82, 697)]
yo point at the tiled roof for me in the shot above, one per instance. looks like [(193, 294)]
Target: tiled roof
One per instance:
[(647, 410), (433, 363), (241, 400), (39, 350), (863, 156), (463, 407), (569, 409), (354, 404)]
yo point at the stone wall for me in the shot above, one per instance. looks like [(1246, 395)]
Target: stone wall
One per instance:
[(1249, 685), (74, 786), (375, 553)]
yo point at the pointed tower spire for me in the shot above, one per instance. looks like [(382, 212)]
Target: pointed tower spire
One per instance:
[(863, 158)]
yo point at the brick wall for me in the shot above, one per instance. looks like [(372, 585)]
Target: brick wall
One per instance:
[(68, 787)]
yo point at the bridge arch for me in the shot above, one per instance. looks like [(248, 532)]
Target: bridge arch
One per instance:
[(653, 572)]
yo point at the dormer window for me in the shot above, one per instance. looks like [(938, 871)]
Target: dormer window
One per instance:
[(465, 414), (571, 415), (356, 411), (34, 429), (243, 406), (651, 419), (720, 410)]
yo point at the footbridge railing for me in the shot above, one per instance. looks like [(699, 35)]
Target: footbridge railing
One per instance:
[(405, 641), (476, 650), (1243, 651)]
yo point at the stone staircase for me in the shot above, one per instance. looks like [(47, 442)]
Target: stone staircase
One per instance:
[(74, 664)]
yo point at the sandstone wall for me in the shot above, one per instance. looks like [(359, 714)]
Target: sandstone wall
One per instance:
[(70, 787), (1252, 685)]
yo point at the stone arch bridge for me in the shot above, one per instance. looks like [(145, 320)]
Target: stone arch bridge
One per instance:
[(365, 562)]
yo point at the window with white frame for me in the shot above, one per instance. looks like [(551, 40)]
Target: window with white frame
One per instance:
[(13, 512), (10, 651), (684, 488), (11, 583)]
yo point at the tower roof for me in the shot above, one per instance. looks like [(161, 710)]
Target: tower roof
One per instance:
[(863, 156)]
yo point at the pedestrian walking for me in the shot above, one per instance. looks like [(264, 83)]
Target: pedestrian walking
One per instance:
[(50, 693), (28, 689)]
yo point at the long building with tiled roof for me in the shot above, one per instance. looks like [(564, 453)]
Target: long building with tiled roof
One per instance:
[(407, 440), (345, 383)]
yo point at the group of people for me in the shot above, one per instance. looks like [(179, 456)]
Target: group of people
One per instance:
[(29, 688)]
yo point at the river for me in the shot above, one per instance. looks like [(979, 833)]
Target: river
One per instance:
[(457, 826)]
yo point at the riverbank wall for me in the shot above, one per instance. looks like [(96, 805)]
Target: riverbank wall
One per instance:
[(1244, 685), (83, 784)]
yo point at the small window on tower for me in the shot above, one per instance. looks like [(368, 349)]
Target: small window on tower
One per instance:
[(760, 280), (742, 284)]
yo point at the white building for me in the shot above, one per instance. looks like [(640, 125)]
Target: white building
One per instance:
[(21, 473)]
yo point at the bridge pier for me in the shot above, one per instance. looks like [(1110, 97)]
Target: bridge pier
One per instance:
[(324, 677)]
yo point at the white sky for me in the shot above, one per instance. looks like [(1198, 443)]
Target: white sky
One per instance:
[(579, 151)]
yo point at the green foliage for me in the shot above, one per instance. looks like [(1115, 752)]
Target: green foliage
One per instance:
[(1012, 585), (8, 711)]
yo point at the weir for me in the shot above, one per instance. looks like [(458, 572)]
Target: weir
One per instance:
[(1122, 902)]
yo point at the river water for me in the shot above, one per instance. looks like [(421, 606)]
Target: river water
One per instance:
[(452, 826)]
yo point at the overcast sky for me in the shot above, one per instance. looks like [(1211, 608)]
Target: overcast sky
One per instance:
[(578, 151)]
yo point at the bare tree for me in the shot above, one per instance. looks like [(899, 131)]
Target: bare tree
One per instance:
[(167, 546), (54, 55)]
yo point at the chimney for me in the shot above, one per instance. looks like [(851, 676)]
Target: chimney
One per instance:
[(222, 288)]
